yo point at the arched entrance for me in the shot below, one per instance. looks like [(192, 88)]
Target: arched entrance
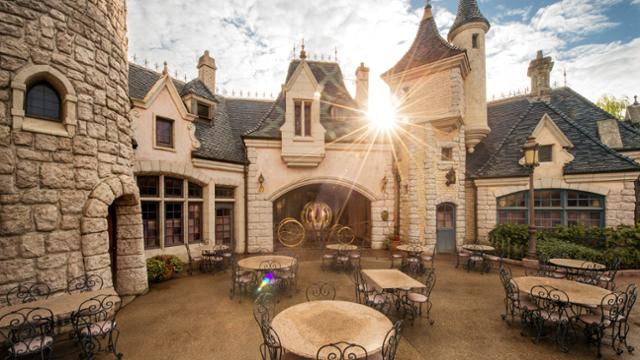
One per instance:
[(349, 208), (112, 243), (446, 228)]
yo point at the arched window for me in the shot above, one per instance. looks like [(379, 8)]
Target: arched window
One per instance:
[(553, 207), (43, 102)]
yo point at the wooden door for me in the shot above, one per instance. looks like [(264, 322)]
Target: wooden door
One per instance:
[(445, 228), (224, 224)]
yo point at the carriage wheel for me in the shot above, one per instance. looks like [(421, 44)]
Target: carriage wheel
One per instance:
[(346, 235), (333, 232), (290, 232)]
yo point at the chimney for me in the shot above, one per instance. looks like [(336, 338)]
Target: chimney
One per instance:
[(362, 86), (207, 71), (540, 74), (633, 112)]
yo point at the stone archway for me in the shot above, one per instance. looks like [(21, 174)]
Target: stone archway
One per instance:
[(120, 193)]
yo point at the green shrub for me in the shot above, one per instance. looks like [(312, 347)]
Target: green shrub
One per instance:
[(589, 236), (161, 265), (555, 248), (156, 269), (510, 240)]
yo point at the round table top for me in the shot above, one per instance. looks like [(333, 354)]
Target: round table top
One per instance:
[(411, 248), (577, 264), (306, 327), (342, 247), (477, 247), (581, 294), (254, 262)]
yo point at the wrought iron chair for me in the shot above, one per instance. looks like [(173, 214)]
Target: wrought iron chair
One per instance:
[(320, 291), (396, 256), (429, 258), (360, 286), (342, 351), (553, 308), (264, 308), (589, 274), (607, 278), (418, 297), (85, 283), (328, 259), (28, 332), (464, 256), (391, 342), (355, 256), (27, 292), (270, 349), (513, 302), (95, 322), (413, 262), (212, 261), (243, 281), (378, 300), (192, 260), (606, 317), (289, 275), (623, 328)]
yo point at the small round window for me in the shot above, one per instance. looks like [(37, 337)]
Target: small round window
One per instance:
[(43, 102)]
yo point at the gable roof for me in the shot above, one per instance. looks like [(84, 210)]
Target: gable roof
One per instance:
[(141, 80), (468, 12), (334, 94), (427, 47), (512, 121)]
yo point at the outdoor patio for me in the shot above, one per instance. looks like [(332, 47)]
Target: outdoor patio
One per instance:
[(192, 317)]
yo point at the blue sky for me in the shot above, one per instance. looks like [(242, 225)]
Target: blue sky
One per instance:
[(596, 41)]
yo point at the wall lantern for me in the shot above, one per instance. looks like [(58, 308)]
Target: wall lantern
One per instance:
[(384, 215), (384, 184), (530, 149), (451, 177), (261, 182)]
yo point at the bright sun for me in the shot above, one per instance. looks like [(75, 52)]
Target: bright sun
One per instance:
[(381, 112)]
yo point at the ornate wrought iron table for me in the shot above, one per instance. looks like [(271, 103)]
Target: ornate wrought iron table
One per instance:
[(276, 262), (306, 327), (578, 293)]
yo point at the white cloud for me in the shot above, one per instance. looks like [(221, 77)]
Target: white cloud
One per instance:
[(252, 40)]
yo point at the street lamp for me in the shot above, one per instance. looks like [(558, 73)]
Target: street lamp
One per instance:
[(530, 150)]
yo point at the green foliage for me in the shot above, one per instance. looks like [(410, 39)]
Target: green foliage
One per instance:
[(613, 105), (158, 267), (575, 242)]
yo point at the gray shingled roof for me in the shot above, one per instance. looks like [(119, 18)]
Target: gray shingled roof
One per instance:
[(428, 47), (468, 12), (513, 120), (141, 80), (328, 75)]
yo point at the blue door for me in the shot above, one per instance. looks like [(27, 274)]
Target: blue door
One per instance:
[(446, 228)]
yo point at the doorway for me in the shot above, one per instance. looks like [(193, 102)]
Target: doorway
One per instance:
[(446, 228), (224, 224), (113, 247)]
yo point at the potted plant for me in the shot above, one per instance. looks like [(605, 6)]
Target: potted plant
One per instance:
[(392, 241), (163, 267)]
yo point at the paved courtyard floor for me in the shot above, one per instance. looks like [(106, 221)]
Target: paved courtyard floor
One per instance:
[(193, 318)]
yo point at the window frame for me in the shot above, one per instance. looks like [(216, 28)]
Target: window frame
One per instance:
[(302, 118), (550, 149), (58, 99), (185, 200), (208, 106), (449, 157), (563, 207), (172, 122), (475, 41)]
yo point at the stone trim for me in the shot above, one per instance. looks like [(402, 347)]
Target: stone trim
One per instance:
[(323, 180), (67, 96), (553, 184)]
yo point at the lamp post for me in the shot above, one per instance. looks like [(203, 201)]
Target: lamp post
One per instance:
[(530, 150)]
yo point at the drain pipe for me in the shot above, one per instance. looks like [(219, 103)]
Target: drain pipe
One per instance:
[(475, 210), (246, 208)]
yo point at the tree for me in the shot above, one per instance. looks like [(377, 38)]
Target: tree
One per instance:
[(613, 105)]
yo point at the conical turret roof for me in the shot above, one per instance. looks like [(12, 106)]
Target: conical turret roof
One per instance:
[(428, 47), (468, 12)]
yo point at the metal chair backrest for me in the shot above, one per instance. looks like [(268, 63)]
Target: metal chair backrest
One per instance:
[(342, 351), (26, 326), (320, 291), (27, 292), (98, 309), (264, 309), (85, 283), (391, 341), (554, 302), (429, 281), (632, 296), (613, 307), (271, 348)]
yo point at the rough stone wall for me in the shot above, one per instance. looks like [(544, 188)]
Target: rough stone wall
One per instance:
[(50, 229), (260, 217), (380, 228)]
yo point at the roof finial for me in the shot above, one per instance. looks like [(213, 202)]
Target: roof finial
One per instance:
[(565, 77), (635, 100), (335, 54), (428, 4), (165, 69), (428, 14), (303, 54)]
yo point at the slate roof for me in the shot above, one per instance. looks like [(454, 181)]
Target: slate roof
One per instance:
[(468, 12), (428, 47), (334, 94), (221, 139), (513, 120), (141, 80)]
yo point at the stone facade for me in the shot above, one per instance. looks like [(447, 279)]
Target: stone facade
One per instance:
[(57, 181)]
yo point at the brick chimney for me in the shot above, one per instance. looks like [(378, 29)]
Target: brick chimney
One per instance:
[(207, 71), (362, 86), (540, 74)]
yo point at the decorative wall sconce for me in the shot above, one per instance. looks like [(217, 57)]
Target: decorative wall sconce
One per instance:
[(406, 188), (451, 177), (384, 184), (384, 215), (261, 182)]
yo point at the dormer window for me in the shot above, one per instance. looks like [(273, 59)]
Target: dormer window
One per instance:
[(43, 102), (545, 153), (204, 111), (302, 124)]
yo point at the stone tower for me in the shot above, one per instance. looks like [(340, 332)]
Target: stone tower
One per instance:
[(427, 84), (69, 205), (468, 32)]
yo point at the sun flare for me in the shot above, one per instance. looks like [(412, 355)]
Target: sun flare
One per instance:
[(381, 114)]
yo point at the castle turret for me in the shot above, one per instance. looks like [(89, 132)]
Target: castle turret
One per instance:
[(468, 32)]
